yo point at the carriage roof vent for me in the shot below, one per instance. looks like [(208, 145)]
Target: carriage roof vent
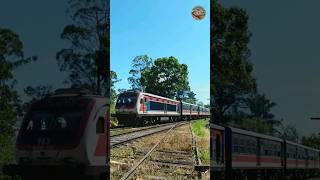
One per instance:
[(79, 91)]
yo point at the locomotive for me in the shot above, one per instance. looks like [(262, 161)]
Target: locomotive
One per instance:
[(241, 154), (140, 108), (63, 134)]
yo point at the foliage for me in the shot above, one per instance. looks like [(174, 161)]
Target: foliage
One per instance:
[(199, 126), (187, 96), (286, 131), (312, 141), (87, 59), (11, 57), (113, 95), (254, 124), (203, 139), (231, 76), (36, 93), (166, 77), (259, 106), (291, 133), (139, 65), (113, 92), (200, 103)]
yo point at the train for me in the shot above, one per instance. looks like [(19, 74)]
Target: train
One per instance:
[(64, 134), (135, 108), (241, 154)]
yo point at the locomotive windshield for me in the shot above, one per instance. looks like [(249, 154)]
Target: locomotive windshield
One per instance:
[(53, 122), (127, 99)]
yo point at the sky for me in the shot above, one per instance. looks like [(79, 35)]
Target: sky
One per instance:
[(285, 54), (161, 28), (39, 25)]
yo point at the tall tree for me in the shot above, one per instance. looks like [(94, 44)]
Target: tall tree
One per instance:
[(312, 141), (166, 77), (11, 57), (260, 106), (35, 93), (87, 59), (187, 96), (231, 75), (291, 133), (139, 64), (113, 92), (254, 124)]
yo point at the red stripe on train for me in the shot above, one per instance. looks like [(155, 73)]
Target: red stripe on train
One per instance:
[(244, 158), (253, 158)]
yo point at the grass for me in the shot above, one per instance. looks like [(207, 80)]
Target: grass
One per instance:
[(205, 156), (202, 133), (179, 140), (198, 127)]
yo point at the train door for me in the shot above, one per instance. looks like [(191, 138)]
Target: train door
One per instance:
[(218, 149)]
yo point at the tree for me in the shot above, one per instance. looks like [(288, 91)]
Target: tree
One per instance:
[(87, 59), (166, 77), (200, 103), (113, 92), (36, 93), (312, 141), (231, 75), (11, 57), (291, 133), (187, 96), (254, 124), (260, 106), (139, 65), (288, 132)]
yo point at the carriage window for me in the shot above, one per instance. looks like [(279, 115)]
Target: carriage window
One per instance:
[(30, 125), (62, 123), (156, 105), (171, 107), (100, 126)]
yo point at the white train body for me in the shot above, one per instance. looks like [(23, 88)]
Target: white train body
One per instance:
[(133, 107), (65, 130)]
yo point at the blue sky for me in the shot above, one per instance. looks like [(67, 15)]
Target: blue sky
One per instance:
[(161, 28), (285, 55), (39, 25)]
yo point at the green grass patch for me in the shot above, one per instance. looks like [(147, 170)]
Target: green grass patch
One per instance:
[(202, 136), (205, 156), (199, 126)]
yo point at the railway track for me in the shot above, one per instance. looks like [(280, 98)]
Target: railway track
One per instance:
[(173, 154), (126, 137), (126, 130)]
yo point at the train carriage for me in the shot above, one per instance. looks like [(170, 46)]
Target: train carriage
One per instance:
[(240, 153), (139, 108), (254, 150), (64, 133), (217, 152)]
